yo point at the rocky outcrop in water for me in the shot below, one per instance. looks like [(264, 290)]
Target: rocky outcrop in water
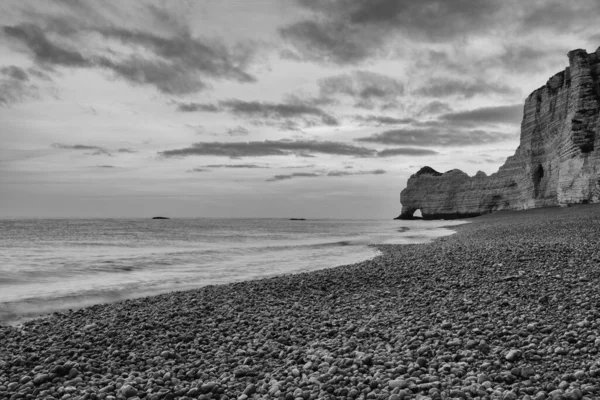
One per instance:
[(556, 164)]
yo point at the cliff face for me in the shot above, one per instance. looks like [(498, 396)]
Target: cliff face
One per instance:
[(557, 161)]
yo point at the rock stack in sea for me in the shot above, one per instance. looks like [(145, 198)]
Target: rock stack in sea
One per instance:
[(557, 161), (507, 308)]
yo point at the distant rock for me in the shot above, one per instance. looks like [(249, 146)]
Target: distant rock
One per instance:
[(297, 219), (557, 162), (160, 218)]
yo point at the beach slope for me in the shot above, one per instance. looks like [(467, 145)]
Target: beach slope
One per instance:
[(506, 308)]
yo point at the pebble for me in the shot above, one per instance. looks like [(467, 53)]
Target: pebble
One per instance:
[(430, 321)]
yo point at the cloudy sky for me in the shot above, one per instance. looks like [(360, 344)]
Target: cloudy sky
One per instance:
[(263, 108)]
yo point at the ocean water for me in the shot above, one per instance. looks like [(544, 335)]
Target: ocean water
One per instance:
[(49, 265)]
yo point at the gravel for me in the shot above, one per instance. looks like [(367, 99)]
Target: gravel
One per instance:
[(507, 308)]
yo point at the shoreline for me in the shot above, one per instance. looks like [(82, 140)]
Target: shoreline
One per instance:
[(14, 313), (506, 307)]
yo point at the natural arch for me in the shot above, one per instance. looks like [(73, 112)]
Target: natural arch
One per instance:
[(417, 213)]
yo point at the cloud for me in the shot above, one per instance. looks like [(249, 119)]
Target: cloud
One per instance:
[(106, 166), (15, 73), (198, 170), (280, 114), (193, 107), (43, 50), (347, 173), (365, 87), (258, 109), (406, 151), (558, 16), (511, 114), (435, 137), (242, 166), (446, 87), (174, 62), (331, 42), (94, 150), (352, 31), (378, 120), (77, 147), (524, 58), (435, 107), (269, 148), (238, 131), (327, 174), (129, 151), (15, 85)]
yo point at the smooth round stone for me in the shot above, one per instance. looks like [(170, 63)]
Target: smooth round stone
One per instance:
[(512, 355), (128, 391), (398, 383), (527, 372), (482, 378), (422, 362)]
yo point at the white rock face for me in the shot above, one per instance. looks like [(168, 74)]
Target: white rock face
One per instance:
[(556, 163)]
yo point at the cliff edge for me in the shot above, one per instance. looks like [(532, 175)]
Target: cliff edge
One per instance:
[(557, 162)]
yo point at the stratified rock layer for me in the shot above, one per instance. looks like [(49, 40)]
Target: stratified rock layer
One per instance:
[(556, 163)]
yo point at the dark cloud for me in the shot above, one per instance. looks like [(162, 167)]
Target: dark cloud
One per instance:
[(76, 147), (266, 113), (96, 150), (559, 16), (332, 41), (435, 107), (15, 73), (351, 31), (126, 151), (365, 87), (347, 173), (211, 58), (43, 49), (106, 166), (325, 174), (238, 131), (406, 151), (439, 20), (523, 58), (178, 63), (199, 170), (445, 87), (166, 76), (378, 120), (241, 166), (445, 137), (256, 109), (193, 107), (294, 175), (269, 148), (502, 114), (15, 85)]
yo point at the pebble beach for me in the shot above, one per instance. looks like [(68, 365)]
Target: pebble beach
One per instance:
[(506, 308)]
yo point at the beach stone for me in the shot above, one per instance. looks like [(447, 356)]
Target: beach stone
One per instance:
[(40, 379), (400, 384), (421, 362), (527, 372), (513, 355), (446, 325), (250, 390), (128, 391)]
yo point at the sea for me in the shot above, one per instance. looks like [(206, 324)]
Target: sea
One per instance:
[(53, 265)]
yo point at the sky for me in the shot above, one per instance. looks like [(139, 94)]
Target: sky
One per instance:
[(264, 108)]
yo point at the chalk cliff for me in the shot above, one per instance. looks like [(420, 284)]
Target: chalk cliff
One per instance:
[(557, 161)]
